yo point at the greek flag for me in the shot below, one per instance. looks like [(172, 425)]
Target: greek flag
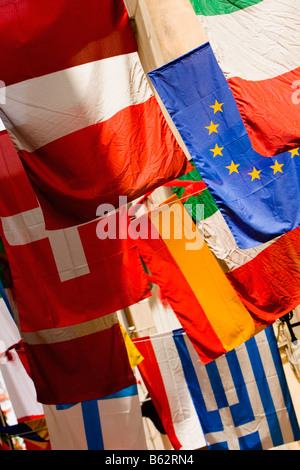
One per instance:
[(241, 400)]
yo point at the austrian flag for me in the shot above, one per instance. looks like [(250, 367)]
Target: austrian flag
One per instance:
[(79, 108)]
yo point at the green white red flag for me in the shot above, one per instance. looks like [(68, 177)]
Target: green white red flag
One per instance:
[(256, 43)]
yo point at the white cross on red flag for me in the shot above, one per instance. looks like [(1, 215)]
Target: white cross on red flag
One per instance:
[(68, 285)]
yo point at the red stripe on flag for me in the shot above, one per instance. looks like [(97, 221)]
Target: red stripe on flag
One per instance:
[(268, 285), (270, 114), (66, 372), (175, 289), (153, 380), (40, 37), (105, 269), (19, 196), (130, 154), (108, 287)]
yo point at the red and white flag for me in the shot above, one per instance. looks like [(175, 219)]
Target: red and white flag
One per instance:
[(68, 284), (79, 109), (83, 129)]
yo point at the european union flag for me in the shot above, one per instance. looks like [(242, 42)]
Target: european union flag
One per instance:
[(258, 196)]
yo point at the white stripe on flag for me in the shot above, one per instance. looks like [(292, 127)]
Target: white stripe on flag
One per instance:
[(19, 385), (66, 244), (256, 389), (112, 423), (241, 399), (275, 389), (259, 424), (202, 375), (183, 412), (47, 108), (220, 240), (66, 428), (258, 42), (71, 332), (9, 333)]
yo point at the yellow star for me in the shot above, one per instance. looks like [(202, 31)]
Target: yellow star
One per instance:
[(294, 152), (233, 167), (212, 127), (255, 174), (277, 167), (217, 107), (217, 150)]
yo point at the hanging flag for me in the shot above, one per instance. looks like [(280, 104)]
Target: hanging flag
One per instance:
[(79, 109), (191, 280), (164, 379), (247, 186), (68, 285), (34, 433), (256, 45), (267, 277), (9, 333), (111, 423), (19, 385), (241, 401)]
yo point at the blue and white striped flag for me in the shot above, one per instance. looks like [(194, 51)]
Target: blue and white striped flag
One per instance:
[(242, 399), (111, 423)]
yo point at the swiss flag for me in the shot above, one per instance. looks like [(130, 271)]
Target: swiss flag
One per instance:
[(68, 286)]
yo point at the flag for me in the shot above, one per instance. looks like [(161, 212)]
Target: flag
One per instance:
[(257, 195), (241, 401), (133, 354), (68, 285), (19, 385), (9, 333), (79, 109), (255, 43), (266, 277), (111, 423), (20, 388), (34, 433), (164, 379), (191, 280)]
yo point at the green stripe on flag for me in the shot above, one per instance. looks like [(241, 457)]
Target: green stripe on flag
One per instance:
[(220, 7), (194, 202)]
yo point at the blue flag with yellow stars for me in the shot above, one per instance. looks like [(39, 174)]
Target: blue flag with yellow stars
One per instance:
[(258, 196)]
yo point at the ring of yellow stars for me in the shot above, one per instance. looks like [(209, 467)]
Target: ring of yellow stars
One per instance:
[(217, 150), (212, 127), (255, 174), (233, 167), (217, 107), (277, 167), (294, 152)]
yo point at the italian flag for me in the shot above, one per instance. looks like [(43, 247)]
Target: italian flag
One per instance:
[(256, 43), (266, 277)]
